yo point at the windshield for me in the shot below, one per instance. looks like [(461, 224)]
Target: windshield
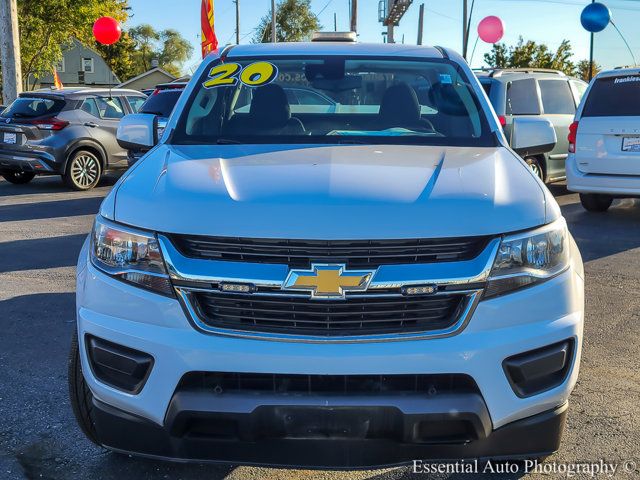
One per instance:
[(333, 100), (161, 102)]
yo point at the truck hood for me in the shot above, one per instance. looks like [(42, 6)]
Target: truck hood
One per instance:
[(330, 192)]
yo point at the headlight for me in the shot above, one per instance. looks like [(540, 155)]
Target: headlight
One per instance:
[(530, 257), (129, 255)]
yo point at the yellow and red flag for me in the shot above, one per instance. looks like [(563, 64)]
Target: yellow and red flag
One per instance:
[(56, 80), (209, 40)]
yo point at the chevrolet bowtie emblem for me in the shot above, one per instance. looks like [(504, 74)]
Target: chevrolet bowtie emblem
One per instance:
[(328, 281)]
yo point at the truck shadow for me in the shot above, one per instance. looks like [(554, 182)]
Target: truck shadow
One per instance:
[(55, 209), (600, 235), (50, 184), (40, 253)]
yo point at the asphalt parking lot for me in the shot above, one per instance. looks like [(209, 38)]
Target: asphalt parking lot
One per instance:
[(42, 227)]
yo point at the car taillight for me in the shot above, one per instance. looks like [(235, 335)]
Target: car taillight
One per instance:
[(573, 135), (503, 120), (52, 123)]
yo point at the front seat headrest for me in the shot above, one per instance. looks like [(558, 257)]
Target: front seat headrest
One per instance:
[(270, 104), (400, 105)]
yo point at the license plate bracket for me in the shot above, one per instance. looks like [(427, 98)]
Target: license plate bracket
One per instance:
[(631, 144), (10, 138)]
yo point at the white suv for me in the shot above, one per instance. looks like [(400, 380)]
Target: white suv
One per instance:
[(364, 285), (604, 140)]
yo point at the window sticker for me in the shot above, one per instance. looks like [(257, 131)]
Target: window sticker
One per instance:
[(445, 79), (629, 79), (255, 74)]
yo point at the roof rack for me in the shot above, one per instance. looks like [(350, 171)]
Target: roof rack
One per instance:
[(498, 72), (334, 37)]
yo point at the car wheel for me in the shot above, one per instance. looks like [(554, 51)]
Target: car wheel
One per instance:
[(536, 167), (79, 393), (83, 171), (18, 178), (595, 202)]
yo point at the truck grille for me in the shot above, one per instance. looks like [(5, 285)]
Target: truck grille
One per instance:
[(355, 253), (299, 315)]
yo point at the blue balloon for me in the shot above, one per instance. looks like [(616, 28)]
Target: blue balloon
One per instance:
[(595, 17)]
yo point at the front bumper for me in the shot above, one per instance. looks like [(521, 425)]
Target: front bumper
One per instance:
[(533, 437), (615, 185), (500, 328)]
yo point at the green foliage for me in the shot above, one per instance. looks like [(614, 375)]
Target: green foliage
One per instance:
[(47, 27), (167, 46), (582, 70), (533, 55), (119, 56), (295, 22)]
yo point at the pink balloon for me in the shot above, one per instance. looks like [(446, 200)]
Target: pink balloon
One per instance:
[(491, 29)]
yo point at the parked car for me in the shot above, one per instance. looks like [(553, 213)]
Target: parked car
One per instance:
[(329, 289), (604, 141), (536, 93), (160, 103), (69, 132)]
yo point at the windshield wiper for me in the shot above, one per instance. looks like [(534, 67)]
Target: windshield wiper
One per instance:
[(351, 141), (227, 141)]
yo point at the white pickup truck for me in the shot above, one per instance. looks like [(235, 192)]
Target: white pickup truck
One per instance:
[(339, 288)]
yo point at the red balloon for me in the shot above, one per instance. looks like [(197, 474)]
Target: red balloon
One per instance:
[(491, 29), (106, 30)]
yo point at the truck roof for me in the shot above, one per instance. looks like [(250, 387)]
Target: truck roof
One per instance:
[(334, 48)]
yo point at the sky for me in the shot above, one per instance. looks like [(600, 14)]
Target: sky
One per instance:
[(545, 21)]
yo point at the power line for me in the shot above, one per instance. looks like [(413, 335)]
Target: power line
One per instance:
[(324, 8)]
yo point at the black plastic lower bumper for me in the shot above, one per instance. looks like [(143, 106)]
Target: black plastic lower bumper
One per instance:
[(31, 161), (327, 437)]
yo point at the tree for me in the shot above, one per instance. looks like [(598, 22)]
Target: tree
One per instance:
[(582, 70), (167, 46), (47, 27), (530, 54), (145, 39), (295, 22), (119, 56)]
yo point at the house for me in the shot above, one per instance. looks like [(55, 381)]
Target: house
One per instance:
[(80, 65), (148, 80)]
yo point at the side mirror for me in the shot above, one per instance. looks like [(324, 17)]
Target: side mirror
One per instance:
[(138, 131), (532, 136)]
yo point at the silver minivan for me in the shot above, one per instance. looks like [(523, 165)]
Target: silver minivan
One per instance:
[(517, 93)]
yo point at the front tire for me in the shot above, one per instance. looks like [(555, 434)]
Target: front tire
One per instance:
[(79, 394), (83, 171), (596, 202), (18, 178)]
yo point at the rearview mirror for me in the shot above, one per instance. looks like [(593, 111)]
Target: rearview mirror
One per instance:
[(138, 131), (532, 136)]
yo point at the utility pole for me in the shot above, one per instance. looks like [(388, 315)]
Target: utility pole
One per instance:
[(591, 53), (10, 51), (390, 25), (237, 22), (420, 23), (273, 21), (354, 15), (335, 22), (465, 24)]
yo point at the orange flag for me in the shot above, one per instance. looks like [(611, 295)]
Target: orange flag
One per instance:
[(56, 80), (209, 40)]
